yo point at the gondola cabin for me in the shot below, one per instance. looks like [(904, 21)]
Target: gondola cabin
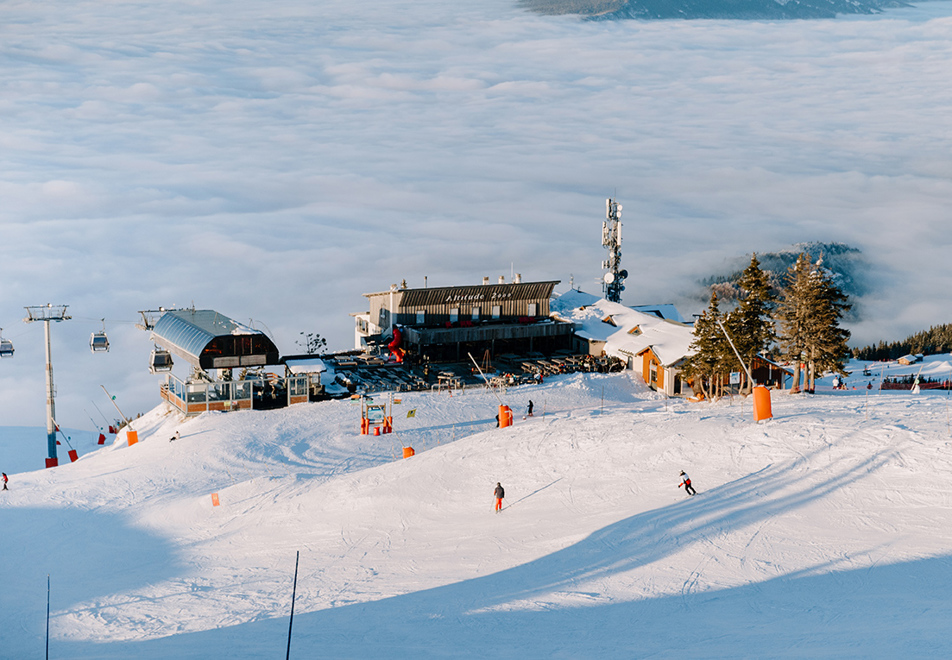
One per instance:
[(98, 342), (6, 348), (160, 361)]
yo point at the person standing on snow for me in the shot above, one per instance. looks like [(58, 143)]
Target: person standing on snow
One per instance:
[(5, 480), (499, 493), (686, 482), (529, 409)]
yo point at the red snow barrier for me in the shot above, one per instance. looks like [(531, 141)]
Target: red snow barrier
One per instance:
[(408, 452), (133, 437), (762, 404), (102, 439), (52, 462)]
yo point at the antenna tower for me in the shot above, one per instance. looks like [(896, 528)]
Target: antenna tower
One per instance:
[(613, 280)]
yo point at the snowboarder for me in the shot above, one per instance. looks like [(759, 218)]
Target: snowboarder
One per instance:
[(175, 437), (499, 493), (5, 480), (529, 409), (686, 482)]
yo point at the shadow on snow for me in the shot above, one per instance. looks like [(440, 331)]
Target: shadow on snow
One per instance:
[(879, 611)]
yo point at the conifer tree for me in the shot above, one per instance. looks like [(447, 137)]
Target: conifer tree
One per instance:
[(751, 324), (793, 314), (709, 359), (810, 311), (829, 350)]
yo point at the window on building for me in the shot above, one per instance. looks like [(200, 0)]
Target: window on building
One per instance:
[(497, 311), (654, 374), (421, 317), (454, 315), (476, 313), (533, 309)]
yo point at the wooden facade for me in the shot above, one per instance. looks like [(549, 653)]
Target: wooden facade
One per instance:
[(663, 378), (461, 305)]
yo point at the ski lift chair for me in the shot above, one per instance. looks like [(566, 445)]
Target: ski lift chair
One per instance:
[(161, 361), (6, 347)]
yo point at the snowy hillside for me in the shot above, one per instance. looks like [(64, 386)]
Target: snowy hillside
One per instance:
[(821, 533)]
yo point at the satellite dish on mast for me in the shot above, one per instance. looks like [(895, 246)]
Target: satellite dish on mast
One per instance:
[(609, 278), (622, 274)]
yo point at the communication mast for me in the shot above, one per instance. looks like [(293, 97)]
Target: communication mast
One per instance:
[(613, 280), (47, 313)]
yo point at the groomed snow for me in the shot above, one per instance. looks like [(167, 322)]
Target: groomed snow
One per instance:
[(821, 533)]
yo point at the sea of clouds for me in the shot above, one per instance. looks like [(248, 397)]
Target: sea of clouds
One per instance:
[(274, 161)]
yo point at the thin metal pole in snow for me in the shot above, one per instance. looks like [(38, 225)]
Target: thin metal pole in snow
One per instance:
[(113, 399), (743, 366), (293, 594), (47, 616)]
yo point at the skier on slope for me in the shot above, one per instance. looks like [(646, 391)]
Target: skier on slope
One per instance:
[(499, 493), (529, 409), (686, 482), (5, 480)]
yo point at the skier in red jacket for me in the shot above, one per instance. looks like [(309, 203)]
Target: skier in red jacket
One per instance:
[(686, 482)]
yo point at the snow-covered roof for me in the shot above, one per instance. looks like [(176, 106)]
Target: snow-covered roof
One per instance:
[(666, 311), (626, 331), (305, 365)]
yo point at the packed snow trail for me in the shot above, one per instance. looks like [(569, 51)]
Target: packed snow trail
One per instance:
[(816, 533)]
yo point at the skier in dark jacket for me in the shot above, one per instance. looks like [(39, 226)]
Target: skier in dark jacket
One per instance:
[(499, 493), (529, 409), (686, 482), (5, 480)]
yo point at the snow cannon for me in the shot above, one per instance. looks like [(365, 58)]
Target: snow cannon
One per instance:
[(408, 452), (762, 404), (505, 416)]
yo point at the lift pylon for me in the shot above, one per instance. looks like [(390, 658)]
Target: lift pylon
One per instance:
[(45, 314)]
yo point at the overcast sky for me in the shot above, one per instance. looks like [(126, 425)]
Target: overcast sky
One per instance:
[(274, 161)]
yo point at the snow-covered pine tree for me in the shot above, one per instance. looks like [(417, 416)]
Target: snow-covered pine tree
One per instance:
[(751, 324)]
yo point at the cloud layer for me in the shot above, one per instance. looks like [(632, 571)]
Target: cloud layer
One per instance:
[(276, 161)]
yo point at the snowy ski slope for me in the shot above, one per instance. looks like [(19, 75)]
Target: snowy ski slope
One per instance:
[(821, 533)]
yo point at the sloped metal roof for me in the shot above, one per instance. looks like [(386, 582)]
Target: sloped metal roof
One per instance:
[(188, 332)]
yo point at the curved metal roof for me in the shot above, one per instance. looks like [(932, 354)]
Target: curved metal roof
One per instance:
[(211, 340)]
